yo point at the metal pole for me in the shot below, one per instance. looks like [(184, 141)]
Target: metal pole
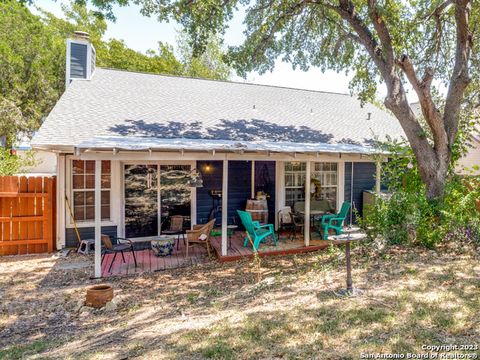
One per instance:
[(378, 175), (253, 180), (98, 218), (349, 267), (351, 197), (224, 207), (307, 204)]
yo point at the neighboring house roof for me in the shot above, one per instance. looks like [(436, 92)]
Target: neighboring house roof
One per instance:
[(118, 105), (416, 108)]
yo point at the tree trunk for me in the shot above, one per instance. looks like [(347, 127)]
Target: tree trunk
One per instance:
[(432, 161), (434, 174)]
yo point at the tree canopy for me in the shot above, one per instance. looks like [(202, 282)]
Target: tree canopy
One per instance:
[(429, 45), (32, 61)]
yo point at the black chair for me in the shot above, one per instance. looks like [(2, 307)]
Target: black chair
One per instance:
[(298, 225), (121, 246)]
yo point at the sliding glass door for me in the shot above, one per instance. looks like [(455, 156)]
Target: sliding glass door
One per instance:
[(141, 200), (153, 194), (175, 193)]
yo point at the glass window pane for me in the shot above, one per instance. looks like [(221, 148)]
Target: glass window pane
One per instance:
[(90, 167), (105, 181), (105, 197), (89, 212), (78, 181), (106, 212), (90, 198), (89, 181), (78, 198), (105, 166), (78, 166), (79, 213)]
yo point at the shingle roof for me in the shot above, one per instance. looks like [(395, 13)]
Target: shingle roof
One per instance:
[(120, 103)]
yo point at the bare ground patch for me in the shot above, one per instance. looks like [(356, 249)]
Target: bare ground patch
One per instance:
[(410, 298)]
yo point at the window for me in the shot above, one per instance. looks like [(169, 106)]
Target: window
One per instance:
[(294, 182), (83, 189), (325, 173)]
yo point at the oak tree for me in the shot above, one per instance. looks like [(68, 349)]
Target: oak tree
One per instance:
[(429, 45)]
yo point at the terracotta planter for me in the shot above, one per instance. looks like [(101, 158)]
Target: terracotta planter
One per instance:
[(99, 295)]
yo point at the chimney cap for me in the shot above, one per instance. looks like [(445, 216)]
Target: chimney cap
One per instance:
[(81, 34)]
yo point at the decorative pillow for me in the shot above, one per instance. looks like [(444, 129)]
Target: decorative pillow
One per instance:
[(203, 237)]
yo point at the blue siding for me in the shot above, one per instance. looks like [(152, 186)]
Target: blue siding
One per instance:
[(71, 239), (239, 186), (363, 179), (211, 181), (78, 60)]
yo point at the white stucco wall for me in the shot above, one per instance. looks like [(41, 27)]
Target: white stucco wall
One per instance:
[(470, 164), (46, 163)]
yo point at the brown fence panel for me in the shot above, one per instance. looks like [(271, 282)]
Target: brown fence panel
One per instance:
[(27, 215)]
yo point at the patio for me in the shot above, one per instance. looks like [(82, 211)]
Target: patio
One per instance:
[(148, 262)]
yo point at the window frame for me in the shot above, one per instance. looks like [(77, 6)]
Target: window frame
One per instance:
[(302, 173), (69, 190)]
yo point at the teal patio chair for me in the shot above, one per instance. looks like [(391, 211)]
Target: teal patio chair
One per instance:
[(335, 221), (256, 231)]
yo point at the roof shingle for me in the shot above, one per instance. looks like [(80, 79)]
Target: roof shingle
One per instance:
[(121, 103)]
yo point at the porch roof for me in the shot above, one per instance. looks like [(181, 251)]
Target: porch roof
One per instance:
[(135, 143), (126, 104)]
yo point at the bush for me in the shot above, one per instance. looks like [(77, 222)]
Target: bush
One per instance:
[(11, 164), (406, 216)]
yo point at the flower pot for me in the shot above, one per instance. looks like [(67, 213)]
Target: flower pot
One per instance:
[(163, 246), (99, 295)]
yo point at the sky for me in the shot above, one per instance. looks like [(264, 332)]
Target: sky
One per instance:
[(142, 33)]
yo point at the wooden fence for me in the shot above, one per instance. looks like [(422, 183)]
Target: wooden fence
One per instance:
[(27, 215)]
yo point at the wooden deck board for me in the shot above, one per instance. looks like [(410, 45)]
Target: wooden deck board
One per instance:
[(148, 262)]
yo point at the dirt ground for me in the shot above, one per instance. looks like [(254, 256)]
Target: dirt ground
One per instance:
[(286, 309)]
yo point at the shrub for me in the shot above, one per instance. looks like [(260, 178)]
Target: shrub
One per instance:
[(406, 216)]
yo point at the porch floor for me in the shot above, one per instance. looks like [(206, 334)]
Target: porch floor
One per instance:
[(148, 262), (284, 246)]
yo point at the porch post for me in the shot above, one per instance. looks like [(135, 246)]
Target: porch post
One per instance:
[(307, 204), (98, 218), (378, 176), (224, 207), (253, 180)]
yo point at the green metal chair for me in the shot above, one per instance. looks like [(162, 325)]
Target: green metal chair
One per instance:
[(335, 221), (256, 231)]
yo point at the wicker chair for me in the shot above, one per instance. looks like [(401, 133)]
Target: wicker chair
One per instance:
[(176, 228), (200, 235)]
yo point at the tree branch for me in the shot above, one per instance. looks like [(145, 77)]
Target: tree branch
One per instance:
[(423, 90), (383, 33), (460, 75)]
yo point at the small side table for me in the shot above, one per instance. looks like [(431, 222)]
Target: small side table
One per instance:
[(347, 239)]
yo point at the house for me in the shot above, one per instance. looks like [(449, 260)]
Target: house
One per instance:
[(134, 141)]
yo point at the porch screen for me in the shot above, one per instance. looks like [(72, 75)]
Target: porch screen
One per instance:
[(83, 189), (323, 173)]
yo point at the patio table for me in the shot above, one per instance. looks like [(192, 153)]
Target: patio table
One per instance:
[(313, 214), (346, 239)]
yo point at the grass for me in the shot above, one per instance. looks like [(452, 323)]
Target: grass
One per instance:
[(18, 351), (286, 309)]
